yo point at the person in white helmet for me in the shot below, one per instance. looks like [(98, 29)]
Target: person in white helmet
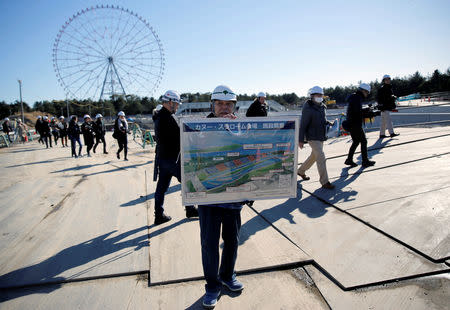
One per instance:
[(46, 132), (74, 136), (313, 130), (62, 125), (22, 130), (167, 159), (120, 133), (386, 103), (354, 124), (258, 107), (225, 217), (7, 128), (54, 129), (88, 134), (100, 131), (38, 128)]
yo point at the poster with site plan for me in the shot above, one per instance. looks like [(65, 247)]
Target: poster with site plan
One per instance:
[(225, 160)]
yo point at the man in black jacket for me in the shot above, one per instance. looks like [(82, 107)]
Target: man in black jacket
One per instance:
[(386, 103), (258, 107), (38, 127), (168, 140), (45, 130), (313, 130), (7, 129), (355, 118), (100, 130)]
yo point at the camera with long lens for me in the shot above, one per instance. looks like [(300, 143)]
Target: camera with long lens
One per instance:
[(370, 111)]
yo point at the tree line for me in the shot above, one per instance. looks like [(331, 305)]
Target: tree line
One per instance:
[(133, 105)]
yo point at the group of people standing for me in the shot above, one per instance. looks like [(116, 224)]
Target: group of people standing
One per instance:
[(21, 130), (225, 218)]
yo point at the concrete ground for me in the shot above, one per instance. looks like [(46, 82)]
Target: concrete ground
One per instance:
[(78, 233)]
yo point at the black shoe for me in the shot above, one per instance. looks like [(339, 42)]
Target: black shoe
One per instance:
[(105, 152), (118, 156), (191, 211), (160, 219), (350, 163), (368, 163), (93, 151), (395, 135), (125, 159), (383, 136)]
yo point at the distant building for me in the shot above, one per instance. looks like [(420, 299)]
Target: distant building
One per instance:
[(188, 108)]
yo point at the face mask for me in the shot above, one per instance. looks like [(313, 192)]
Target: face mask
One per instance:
[(318, 99)]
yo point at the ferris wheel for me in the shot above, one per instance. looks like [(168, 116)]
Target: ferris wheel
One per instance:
[(106, 51)]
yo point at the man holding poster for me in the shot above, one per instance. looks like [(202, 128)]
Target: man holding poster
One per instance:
[(225, 163)]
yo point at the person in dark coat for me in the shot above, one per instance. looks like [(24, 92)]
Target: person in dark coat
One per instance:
[(120, 133), (38, 128), (258, 107), (63, 127), (46, 132), (74, 136), (168, 144), (7, 128), (88, 134), (54, 129), (386, 103), (100, 131), (313, 130), (355, 120)]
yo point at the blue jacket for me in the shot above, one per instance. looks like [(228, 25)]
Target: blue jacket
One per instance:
[(313, 125)]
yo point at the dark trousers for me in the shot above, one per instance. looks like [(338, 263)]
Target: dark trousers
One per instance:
[(73, 141), (97, 141), (168, 168), (89, 147), (211, 220), (123, 145), (47, 139), (358, 137), (55, 136), (64, 140)]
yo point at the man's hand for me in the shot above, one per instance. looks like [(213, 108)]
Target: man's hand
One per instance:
[(231, 116), (300, 145)]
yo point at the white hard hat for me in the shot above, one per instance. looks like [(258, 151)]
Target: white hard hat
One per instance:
[(61, 117), (98, 115), (45, 117), (39, 117), (224, 93), (52, 118), (365, 86), (171, 95), (6, 119), (261, 94), (315, 90), (19, 120), (158, 107), (121, 113), (86, 116), (386, 76)]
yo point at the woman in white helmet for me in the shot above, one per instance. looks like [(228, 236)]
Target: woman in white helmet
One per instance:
[(217, 217), (74, 132), (120, 133), (62, 125), (100, 131), (7, 128), (88, 133), (258, 107), (313, 130), (22, 130), (386, 103)]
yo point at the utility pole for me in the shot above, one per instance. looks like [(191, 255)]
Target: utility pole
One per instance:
[(21, 102)]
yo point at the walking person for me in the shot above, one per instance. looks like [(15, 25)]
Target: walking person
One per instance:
[(54, 128), (87, 130), (168, 154), (7, 128), (22, 131), (38, 128), (258, 107), (354, 124), (46, 132), (313, 130), (386, 103), (74, 132), (63, 127), (100, 131), (225, 217), (120, 133)]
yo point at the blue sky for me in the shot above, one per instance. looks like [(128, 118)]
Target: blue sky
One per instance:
[(273, 46)]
